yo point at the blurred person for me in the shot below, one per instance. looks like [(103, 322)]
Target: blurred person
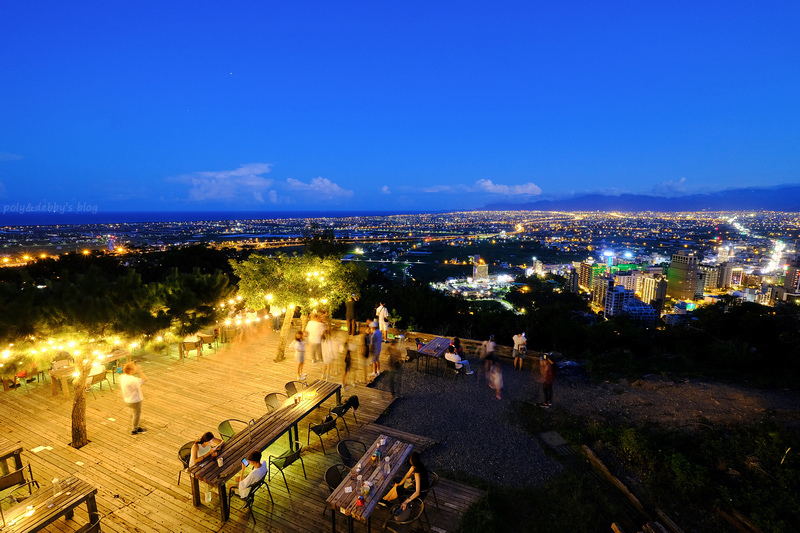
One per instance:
[(350, 315), (383, 320), (314, 330), (132, 393), (299, 347), (395, 373), (548, 374), (375, 346)]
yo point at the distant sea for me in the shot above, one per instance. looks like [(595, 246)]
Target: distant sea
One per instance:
[(44, 218)]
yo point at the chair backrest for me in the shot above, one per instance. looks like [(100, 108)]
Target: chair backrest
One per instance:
[(289, 458), (433, 478), (226, 430), (185, 453), (450, 364), (293, 386), (412, 354), (347, 456), (274, 400), (325, 426), (17, 477), (251, 496), (61, 363), (333, 477), (97, 378)]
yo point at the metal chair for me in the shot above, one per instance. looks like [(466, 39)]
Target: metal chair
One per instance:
[(285, 459), (292, 387), (413, 355), (98, 377), (17, 478), (433, 477), (395, 524), (334, 477), (451, 365), (185, 454), (226, 431), (341, 409), (274, 400), (327, 424), (251, 496), (350, 458), (15, 499)]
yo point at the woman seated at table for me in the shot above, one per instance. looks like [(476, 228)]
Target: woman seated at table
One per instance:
[(414, 483), (206, 446)]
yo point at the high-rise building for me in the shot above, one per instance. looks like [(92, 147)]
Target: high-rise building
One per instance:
[(600, 287), (573, 282), (480, 271), (712, 276), (627, 279), (682, 276), (654, 291), (791, 280), (616, 298)]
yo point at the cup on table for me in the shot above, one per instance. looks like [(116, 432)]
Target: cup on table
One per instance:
[(219, 461)]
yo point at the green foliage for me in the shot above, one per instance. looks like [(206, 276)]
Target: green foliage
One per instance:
[(307, 281)]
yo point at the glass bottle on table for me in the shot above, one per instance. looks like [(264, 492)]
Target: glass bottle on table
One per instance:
[(387, 466)]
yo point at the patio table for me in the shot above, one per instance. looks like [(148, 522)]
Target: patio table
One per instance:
[(43, 508), (63, 375), (435, 349), (344, 499), (9, 450), (259, 436)]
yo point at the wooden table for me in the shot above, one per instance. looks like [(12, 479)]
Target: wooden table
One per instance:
[(434, 349), (259, 436), (208, 339), (63, 375), (9, 450), (74, 492), (185, 347), (346, 503)]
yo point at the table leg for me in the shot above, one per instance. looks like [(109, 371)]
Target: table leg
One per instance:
[(54, 385), (70, 514), (195, 491), (91, 506), (333, 519), (224, 510), (339, 395), (65, 387)]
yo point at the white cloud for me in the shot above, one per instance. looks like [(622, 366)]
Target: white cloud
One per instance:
[(440, 188), (385, 190), (319, 185), (8, 156), (273, 197), (526, 188), (242, 183), (671, 188)]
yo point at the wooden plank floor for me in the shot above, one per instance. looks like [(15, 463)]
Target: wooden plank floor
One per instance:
[(136, 476)]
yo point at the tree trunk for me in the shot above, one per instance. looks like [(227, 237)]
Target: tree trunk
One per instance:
[(79, 438), (285, 327)]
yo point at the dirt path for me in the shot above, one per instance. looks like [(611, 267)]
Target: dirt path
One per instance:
[(676, 404)]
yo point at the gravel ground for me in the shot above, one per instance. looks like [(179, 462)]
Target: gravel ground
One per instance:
[(476, 432)]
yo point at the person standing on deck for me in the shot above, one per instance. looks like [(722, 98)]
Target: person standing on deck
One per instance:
[(383, 321), (520, 349), (548, 378), (132, 393), (350, 315), (375, 345), (314, 329)]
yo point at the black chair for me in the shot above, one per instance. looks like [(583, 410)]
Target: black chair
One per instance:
[(226, 431), (433, 477), (184, 454), (284, 460), (274, 400), (451, 365), (334, 477), (413, 355), (413, 513), (341, 409), (351, 451), (17, 478), (327, 424), (251, 496), (292, 387), (15, 498)]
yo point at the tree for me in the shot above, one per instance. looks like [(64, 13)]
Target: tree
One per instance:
[(308, 282)]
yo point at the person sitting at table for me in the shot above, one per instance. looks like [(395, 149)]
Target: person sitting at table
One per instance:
[(414, 483), (256, 475), (458, 347), (207, 445), (451, 355)]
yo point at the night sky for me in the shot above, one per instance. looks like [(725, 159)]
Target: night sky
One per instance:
[(395, 106)]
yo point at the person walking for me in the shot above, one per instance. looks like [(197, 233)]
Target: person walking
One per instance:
[(548, 378), (299, 347), (520, 349), (375, 346), (314, 330), (350, 315), (496, 378), (395, 368), (132, 393)]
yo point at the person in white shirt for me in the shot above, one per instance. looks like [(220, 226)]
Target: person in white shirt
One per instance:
[(451, 355), (520, 349), (257, 474), (383, 320), (299, 347), (132, 394), (314, 329)]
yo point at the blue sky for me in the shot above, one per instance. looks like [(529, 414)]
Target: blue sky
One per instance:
[(407, 106)]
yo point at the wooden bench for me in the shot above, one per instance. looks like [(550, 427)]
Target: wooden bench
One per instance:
[(259, 436), (43, 508)]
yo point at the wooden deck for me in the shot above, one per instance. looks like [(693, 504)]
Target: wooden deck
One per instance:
[(136, 476)]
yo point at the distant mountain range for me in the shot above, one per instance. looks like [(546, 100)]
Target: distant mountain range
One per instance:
[(783, 198)]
